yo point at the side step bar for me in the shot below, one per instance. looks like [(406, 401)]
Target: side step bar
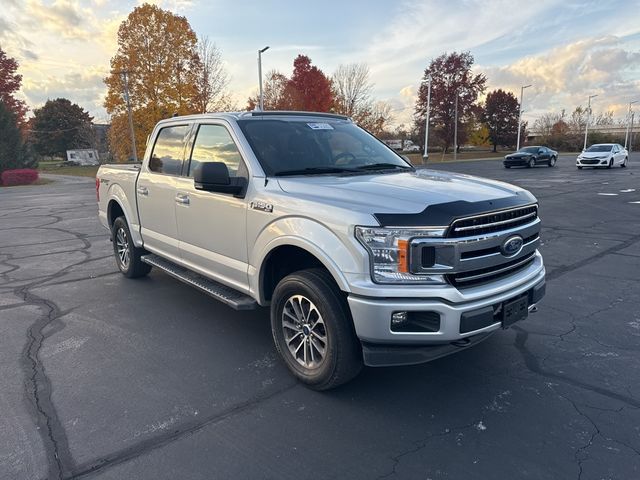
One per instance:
[(228, 295)]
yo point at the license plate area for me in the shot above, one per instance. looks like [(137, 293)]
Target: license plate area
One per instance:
[(515, 310)]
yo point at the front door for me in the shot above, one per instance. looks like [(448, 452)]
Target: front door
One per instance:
[(211, 225), (156, 191)]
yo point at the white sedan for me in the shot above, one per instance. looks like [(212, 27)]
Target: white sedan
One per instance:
[(603, 155)]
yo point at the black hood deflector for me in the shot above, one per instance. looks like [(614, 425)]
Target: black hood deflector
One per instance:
[(443, 214)]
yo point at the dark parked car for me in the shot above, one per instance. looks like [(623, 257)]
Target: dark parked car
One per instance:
[(530, 157)]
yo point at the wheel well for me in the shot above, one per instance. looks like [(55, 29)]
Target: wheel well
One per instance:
[(281, 262), (114, 210)]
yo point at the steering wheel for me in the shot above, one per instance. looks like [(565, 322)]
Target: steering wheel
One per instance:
[(348, 157)]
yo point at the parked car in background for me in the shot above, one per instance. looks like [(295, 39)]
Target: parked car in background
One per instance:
[(530, 157), (603, 155)]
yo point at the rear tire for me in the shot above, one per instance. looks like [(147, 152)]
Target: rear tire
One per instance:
[(313, 331), (126, 253)]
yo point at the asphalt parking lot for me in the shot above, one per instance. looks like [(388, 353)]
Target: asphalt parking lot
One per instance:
[(104, 377)]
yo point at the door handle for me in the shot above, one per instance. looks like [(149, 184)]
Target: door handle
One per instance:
[(182, 199), (142, 191)]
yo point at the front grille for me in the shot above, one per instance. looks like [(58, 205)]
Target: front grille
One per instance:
[(483, 275), (493, 222), (493, 250), (588, 161)]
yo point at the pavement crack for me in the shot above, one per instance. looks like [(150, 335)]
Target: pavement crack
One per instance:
[(532, 363)]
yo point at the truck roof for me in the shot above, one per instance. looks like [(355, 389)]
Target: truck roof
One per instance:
[(254, 114)]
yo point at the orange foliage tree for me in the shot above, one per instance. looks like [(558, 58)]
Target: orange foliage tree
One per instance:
[(158, 50)]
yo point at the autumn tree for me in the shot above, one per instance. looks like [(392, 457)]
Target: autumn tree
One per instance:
[(10, 82), (14, 153), (310, 89), (277, 93), (158, 50), (500, 114), (212, 79), (451, 76), (59, 126)]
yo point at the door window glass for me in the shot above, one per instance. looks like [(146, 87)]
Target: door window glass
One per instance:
[(168, 151), (214, 144)]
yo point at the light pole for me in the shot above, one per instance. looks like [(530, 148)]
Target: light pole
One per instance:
[(520, 114), (586, 127), (455, 131), (626, 136), (426, 125), (260, 52), (125, 81), (633, 114)]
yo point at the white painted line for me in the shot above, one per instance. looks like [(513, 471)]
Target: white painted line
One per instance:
[(635, 202), (608, 194), (628, 190)]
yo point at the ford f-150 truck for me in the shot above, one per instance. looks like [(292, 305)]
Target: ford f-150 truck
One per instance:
[(363, 259)]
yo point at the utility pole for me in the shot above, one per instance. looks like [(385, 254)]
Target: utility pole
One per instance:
[(626, 136), (586, 127), (455, 131), (425, 157), (125, 80), (633, 114), (520, 114), (260, 52)]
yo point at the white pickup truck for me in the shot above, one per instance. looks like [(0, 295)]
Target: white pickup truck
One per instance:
[(363, 259)]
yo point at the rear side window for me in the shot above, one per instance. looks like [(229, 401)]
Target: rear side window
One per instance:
[(169, 150), (214, 144)]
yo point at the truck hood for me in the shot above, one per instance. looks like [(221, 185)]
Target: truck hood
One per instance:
[(403, 193)]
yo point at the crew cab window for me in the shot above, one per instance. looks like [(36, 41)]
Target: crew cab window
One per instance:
[(169, 150), (214, 144)]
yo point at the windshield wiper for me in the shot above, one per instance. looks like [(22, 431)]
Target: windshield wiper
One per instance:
[(315, 171), (384, 166)]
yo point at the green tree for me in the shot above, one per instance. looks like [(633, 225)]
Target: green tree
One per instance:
[(500, 114), (59, 126), (14, 153), (451, 77)]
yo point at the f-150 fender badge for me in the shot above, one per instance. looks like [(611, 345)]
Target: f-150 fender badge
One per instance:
[(262, 206)]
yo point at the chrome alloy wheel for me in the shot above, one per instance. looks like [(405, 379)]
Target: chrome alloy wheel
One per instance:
[(122, 246), (304, 331)]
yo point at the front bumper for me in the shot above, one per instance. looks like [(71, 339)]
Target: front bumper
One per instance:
[(516, 162), (461, 324), (592, 162)]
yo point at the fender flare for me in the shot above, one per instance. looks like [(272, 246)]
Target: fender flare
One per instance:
[(117, 194)]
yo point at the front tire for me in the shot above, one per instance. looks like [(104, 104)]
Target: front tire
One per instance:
[(532, 163), (624, 164), (126, 253), (579, 167), (610, 164), (552, 161), (313, 331)]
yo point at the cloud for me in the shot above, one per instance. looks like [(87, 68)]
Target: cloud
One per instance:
[(565, 76), (64, 17)]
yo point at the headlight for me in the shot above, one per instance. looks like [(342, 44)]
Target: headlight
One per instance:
[(389, 253)]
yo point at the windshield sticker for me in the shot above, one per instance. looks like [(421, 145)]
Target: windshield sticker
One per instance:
[(320, 126)]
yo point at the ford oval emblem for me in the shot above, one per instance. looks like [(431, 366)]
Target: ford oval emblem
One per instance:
[(512, 246)]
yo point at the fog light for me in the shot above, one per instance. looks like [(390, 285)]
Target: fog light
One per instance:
[(398, 319)]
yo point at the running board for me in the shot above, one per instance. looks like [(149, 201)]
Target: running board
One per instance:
[(228, 295)]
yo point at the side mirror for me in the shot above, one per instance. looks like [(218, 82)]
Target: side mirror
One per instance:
[(214, 177), (540, 151)]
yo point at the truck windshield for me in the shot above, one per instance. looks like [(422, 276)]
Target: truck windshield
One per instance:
[(313, 147)]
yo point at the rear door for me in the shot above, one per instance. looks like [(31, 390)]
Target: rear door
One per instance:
[(156, 191), (212, 226)]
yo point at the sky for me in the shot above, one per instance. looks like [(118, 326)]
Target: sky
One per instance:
[(566, 49)]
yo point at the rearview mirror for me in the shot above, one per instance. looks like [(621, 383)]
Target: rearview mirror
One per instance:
[(214, 177)]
